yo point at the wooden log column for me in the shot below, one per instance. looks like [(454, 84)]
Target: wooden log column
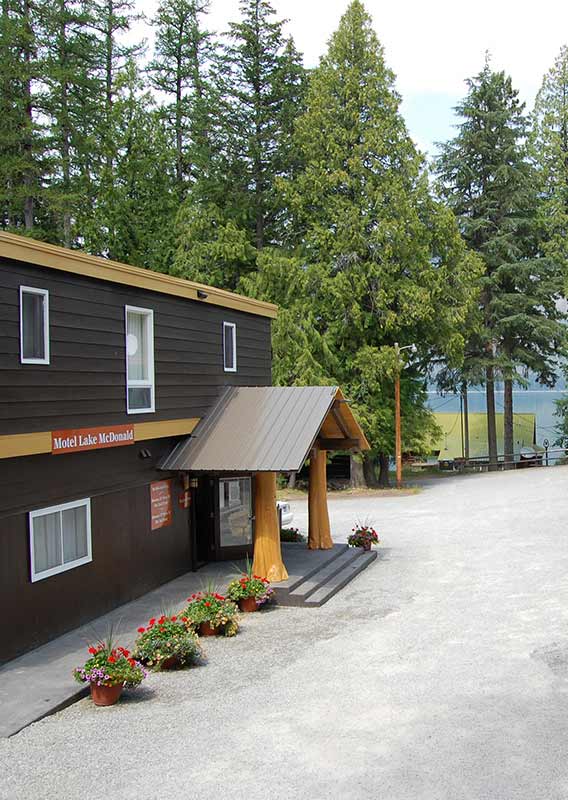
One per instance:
[(319, 534), (267, 551)]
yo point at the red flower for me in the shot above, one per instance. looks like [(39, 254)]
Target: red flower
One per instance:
[(207, 604), (132, 662), (111, 660), (151, 622), (125, 653), (173, 619), (93, 650), (141, 630)]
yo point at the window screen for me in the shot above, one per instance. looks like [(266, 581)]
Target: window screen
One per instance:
[(60, 538)]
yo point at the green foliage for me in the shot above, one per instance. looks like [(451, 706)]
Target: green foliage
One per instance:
[(561, 427), (384, 261), (548, 148), (487, 180)]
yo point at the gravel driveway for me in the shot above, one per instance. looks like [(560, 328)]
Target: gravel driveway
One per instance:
[(441, 672)]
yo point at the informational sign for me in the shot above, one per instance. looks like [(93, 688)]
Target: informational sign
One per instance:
[(160, 504), (73, 441)]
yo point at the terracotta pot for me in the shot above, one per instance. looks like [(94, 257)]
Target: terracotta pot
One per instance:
[(171, 662), (105, 695), (206, 629), (366, 545), (248, 604)]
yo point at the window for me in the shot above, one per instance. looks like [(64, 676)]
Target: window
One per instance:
[(230, 346), (60, 538), (34, 325), (139, 360)]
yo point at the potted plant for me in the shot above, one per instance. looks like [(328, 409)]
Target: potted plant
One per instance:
[(363, 535), (107, 671), (248, 590), (167, 643), (291, 535), (211, 614)]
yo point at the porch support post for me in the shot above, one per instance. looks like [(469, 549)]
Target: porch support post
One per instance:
[(319, 534), (267, 551)]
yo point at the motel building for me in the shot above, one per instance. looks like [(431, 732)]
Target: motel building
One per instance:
[(140, 437)]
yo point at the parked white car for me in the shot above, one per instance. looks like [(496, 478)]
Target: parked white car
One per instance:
[(287, 516)]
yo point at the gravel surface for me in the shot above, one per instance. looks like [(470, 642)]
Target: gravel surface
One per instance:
[(440, 673)]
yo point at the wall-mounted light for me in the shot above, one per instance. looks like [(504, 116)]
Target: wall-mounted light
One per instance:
[(201, 294), (145, 453)]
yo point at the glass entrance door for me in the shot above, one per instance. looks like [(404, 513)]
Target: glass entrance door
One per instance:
[(235, 517)]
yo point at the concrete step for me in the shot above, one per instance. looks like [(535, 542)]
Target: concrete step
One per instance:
[(325, 581), (340, 579), (296, 559)]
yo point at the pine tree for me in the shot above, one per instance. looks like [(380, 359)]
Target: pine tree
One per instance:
[(385, 262), (21, 143), (260, 84), (548, 148), (488, 182), (69, 95), (183, 59)]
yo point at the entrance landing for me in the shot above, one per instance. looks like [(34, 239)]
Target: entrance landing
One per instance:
[(40, 682)]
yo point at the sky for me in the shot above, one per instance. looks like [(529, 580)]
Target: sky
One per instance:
[(431, 45)]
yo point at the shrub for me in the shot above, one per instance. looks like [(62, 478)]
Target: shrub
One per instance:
[(291, 535)]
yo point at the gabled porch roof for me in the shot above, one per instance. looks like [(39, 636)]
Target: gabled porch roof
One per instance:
[(268, 429)]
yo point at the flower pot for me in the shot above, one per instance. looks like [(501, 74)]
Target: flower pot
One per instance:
[(105, 695), (206, 629), (171, 662), (366, 545), (248, 604)]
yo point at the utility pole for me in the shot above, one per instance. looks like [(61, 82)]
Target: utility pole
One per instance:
[(397, 428)]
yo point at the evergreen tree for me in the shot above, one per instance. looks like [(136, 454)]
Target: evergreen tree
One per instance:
[(260, 83), (69, 104), (487, 181), (134, 211), (385, 262), (548, 147), (184, 55), (21, 141)]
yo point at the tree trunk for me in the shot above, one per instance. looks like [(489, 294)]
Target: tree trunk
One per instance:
[(369, 470), (357, 474), (384, 478), (491, 427), (509, 449), (292, 480)]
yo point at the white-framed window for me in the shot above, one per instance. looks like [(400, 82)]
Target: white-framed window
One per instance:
[(34, 325), (229, 347), (60, 538), (140, 388)]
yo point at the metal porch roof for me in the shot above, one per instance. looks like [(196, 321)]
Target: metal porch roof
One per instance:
[(267, 429)]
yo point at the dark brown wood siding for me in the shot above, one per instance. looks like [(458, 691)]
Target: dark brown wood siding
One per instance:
[(85, 383), (129, 559)]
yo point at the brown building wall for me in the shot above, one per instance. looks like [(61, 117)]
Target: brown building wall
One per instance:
[(129, 558), (85, 383)]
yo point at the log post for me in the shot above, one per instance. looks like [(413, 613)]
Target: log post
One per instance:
[(319, 534), (267, 551)]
